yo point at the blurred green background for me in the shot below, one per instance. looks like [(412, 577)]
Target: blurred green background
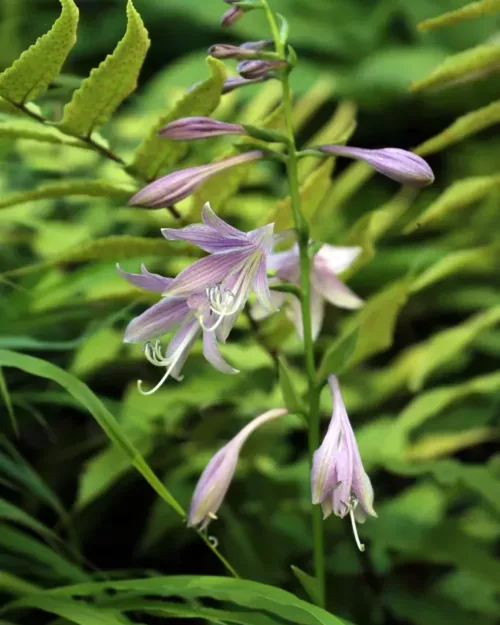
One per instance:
[(423, 388)]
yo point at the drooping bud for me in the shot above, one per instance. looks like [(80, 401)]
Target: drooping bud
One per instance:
[(258, 68), (400, 165), (180, 184), (235, 82), (257, 46), (216, 478), (191, 128), (231, 16), (338, 479)]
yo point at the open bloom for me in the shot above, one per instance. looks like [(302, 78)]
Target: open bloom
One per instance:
[(182, 314), (236, 267), (216, 478), (180, 184), (400, 165), (338, 480), (329, 261)]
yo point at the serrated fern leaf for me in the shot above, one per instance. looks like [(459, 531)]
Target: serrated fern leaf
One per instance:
[(109, 84), (37, 67), (468, 12), (462, 128), (463, 67), (21, 129), (156, 154)]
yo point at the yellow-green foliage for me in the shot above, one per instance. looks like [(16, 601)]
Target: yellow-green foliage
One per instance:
[(468, 12)]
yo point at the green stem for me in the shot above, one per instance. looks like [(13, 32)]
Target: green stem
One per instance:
[(302, 230)]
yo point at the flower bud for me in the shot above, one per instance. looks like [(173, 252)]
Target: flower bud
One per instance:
[(216, 478), (258, 68), (235, 82), (400, 165), (231, 16), (191, 128)]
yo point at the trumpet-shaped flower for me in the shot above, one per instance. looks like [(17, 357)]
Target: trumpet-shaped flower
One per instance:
[(328, 262), (338, 480), (180, 184), (236, 267), (167, 315), (216, 478), (400, 165)]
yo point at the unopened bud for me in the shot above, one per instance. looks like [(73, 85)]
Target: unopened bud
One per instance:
[(191, 128), (235, 82), (228, 51), (231, 16), (258, 68)]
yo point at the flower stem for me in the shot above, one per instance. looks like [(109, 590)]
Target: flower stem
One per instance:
[(302, 230)]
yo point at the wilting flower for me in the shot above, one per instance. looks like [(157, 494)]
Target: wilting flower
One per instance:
[(329, 261), (258, 68), (235, 82), (182, 314), (180, 184), (190, 128), (231, 16), (400, 165), (246, 50), (236, 267), (216, 478), (338, 480)]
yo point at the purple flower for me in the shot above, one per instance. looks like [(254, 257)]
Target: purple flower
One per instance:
[(190, 128), (247, 50), (216, 478), (338, 480), (180, 184), (400, 165), (235, 82), (186, 315), (325, 285), (258, 68), (236, 267), (231, 16)]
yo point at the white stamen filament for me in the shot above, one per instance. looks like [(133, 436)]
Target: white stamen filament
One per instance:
[(353, 502)]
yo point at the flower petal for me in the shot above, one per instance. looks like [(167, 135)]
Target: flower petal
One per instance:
[(157, 320), (212, 354), (335, 291), (205, 238), (261, 286), (335, 259), (146, 280), (222, 227)]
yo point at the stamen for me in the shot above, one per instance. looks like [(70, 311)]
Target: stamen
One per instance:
[(221, 300), (353, 502)]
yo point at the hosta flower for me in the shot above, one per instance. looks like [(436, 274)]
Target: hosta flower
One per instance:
[(180, 184), (190, 128), (216, 478), (258, 68), (338, 480), (400, 165), (235, 82), (169, 314), (231, 16), (247, 50), (236, 267), (325, 284)]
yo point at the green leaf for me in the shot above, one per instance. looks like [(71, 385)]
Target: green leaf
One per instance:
[(312, 192), (82, 393), (338, 356), (445, 346), (156, 154), (22, 129), (465, 66), (468, 12), (10, 512), (52, 190), (244, 593), (469, 262), (74, 611), (288, 389), (461, 128), (459, 195), (109, 84), (438, 444), (15, 585), (5, 396), (38, 66), (308, 583), (107, 248)]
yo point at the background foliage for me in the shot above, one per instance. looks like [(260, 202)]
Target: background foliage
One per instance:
[(422, 384)]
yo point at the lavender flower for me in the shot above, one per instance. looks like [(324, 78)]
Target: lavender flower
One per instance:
[(325, 285), (231, 16), (235, 82), (182, 314), (400, 165), (180, 184), (216, 478), (236, 266), (338, 480), (247, 50), (190, 128), (258, 68)]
